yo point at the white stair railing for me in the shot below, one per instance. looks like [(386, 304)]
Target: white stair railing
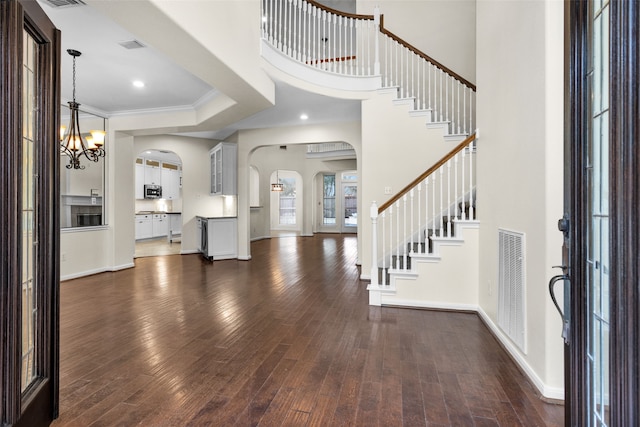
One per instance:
[(446, 191), (360, 46)]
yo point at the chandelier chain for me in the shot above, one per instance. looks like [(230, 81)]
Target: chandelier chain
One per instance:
[(74, 79)]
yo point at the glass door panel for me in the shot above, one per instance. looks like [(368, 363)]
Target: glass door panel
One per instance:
[(29, 284), (329, 199), (350, 204), (597, 177)]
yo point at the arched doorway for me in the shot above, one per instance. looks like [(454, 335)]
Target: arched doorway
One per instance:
[(158, 203)]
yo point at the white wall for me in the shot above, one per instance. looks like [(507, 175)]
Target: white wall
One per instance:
[(443, 29), (88, 251), (396, 149), (520, 167)]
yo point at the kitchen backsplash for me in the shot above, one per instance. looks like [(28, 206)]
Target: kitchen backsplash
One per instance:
[(159, 205)]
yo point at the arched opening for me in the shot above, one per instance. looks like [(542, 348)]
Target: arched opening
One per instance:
[(158, 203)]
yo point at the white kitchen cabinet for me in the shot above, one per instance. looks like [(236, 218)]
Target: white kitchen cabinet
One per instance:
[(170, 179), (160, 224), (224, 169), (218, 237), (139, 181), (144, 227), (152, 174)]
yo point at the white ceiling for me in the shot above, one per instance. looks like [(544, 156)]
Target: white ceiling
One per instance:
[(105, 73)]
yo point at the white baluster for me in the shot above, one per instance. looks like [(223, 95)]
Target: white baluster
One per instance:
[(464, 193), (304, 57), (314, 37), (343, 55), (276, 26), (456, 194), (384, 255), (396, 64), (391, 237), (403, 85), (458, 107), (449, 198), (310, 58), (440, 91), (351, 41), (419, 216), (471, 158), (286, 27), (398, 246), (295, 22), (413, 82), (376, 53), (324, 35), (464, 109), (374, 244), (336, 44), (426, 215), (441, 203), (411, 228), (446, 100), (433, 204), (403, 240)]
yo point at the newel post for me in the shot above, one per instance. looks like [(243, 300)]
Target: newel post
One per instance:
[(374, 244), (376, 21)]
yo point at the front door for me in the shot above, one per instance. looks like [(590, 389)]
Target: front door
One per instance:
[(29, 178), (602, 231)]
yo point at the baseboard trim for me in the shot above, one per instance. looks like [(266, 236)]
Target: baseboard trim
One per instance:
[(471, 308), (244, 258), (97, 271), (552, 393), (255, 239), (189, 251)]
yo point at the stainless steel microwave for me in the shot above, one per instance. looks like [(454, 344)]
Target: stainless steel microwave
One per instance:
[(152, 192)]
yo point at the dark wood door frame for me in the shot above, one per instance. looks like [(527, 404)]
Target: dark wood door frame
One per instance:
[(625, 213), (38, 404), (624, 196)]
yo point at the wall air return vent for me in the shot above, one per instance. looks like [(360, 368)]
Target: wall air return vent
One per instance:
[(132, 44), (64, 3), (511, 287)]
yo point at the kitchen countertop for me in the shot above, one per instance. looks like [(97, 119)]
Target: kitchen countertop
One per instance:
[(157, 212), (215, 217)]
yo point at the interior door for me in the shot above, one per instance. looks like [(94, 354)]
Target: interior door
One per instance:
[(602, 197), (29, 248)]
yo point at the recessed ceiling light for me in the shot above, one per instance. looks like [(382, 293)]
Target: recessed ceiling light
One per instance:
[(138, 83), (303, 116)]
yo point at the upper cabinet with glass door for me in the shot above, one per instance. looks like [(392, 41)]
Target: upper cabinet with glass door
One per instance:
[(82, 190)]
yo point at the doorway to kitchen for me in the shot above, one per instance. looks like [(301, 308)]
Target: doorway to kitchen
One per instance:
[(158, 203)]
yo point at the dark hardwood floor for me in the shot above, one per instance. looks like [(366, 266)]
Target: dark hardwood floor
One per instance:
[(284, 339)]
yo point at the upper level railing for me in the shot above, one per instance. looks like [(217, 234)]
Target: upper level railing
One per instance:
[(359, 45)]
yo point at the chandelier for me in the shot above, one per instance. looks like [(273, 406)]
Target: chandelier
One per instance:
[(277, 186), (72, 143)]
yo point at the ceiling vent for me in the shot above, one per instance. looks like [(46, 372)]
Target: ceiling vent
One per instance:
[(64, 3), (132, 44)]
